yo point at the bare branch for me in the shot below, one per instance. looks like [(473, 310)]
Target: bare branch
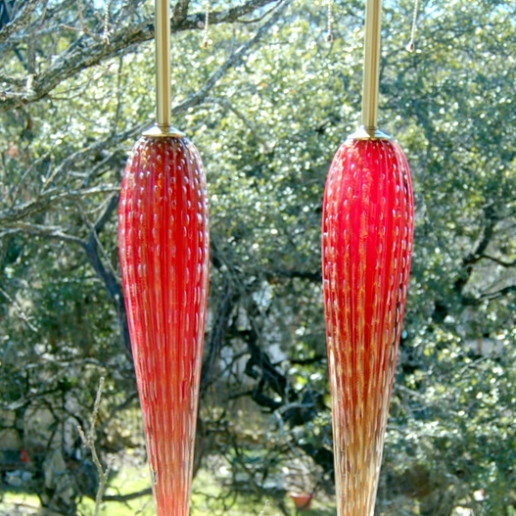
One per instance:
[(499, 293), (232, 61), (220, 326), (41, 202), (106, 273), (88, 440), (48, 196), (129, 496), (484, 239), (87, 52), (497, 260), (20, 20), (44, 231)]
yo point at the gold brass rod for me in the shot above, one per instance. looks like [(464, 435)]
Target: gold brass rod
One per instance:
[(371, 65), (162, 36)]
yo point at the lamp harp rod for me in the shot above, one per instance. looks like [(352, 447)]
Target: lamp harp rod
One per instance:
[(371, 65)]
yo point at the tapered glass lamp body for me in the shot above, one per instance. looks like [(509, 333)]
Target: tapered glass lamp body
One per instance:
[(368, 224), (163, 236)]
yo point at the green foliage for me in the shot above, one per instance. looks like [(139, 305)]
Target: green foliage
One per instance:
[(267, 131)]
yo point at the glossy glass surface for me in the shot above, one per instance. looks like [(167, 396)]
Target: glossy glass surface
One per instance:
[(368, 224), (163, 235)]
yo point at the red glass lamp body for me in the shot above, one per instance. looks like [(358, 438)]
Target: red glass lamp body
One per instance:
[(368, 221), (163, 235)]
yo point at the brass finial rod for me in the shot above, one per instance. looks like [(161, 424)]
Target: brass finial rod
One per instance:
[(162, 36), (371, 65), (163, 127)]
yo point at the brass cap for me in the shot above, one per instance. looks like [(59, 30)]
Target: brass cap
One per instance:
[(157, 131), (365, 133)]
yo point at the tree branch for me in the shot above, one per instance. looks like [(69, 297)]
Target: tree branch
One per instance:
[(44, 231), (21, 20), (84, 53), (499, 293), (483, 241), (497, 260), (232, 60), (108, 277), (128, 497), (219, 328), (88, 440)]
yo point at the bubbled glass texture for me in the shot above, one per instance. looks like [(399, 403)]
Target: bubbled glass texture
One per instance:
[(368, 224), (163, 236)]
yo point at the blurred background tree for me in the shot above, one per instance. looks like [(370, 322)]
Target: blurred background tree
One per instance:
[(267, 102)]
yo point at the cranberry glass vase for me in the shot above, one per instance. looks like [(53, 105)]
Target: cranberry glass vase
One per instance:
[(163, 235), (368, 224)]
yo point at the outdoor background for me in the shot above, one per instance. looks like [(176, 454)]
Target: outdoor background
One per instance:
[(267, 103)]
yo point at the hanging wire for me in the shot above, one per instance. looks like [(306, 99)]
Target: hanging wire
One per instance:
[(206, 41), (329, 34), (411, 46)]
